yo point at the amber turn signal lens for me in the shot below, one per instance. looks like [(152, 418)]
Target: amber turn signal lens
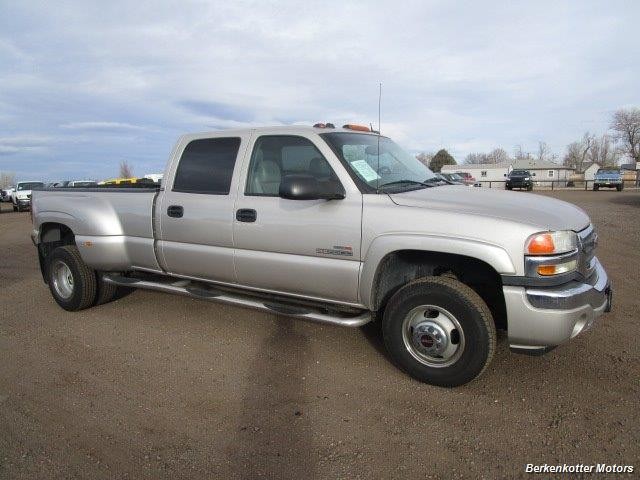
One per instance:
[(547, 270), (541, 244)]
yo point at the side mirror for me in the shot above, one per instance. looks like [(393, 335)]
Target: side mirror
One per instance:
[(505, 175), (533, 174), (307, 187)]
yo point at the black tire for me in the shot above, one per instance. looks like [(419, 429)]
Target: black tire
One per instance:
[(107, 292), (83, 286), (596, 188), (15, 208), (530, 188), (477, 341), (619, 188)]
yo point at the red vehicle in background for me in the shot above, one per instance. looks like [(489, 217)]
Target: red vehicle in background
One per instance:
[(467, 178)]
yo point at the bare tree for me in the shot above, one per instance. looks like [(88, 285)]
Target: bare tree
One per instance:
[(578, 152), (603, 152), (544, 152), (7, 179), (475, 158), (520, 154), (626, 125), (425, 157), (498, 155), (126, 171)]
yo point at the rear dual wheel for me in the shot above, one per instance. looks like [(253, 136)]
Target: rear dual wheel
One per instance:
[(439, 331), (73, 284)]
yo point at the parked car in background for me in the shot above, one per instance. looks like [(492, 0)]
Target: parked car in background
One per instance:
[(133, 181), (61, 184), (467, 178), (156, 177), (300, 221), (5, 195), (21, 197), (519, 179), (82, 183), (608, 178), (453, 178)]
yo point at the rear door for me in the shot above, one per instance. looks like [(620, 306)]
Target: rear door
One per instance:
[(298, 247), (196, 210)]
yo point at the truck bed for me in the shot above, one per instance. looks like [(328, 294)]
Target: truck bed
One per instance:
[(113, 226)]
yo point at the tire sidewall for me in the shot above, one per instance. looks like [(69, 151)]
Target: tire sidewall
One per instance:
[(74, 301), (477, 338)]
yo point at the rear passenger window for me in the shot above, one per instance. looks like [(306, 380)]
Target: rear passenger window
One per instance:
[(207, 165)]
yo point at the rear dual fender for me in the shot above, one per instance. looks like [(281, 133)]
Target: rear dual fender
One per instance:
[(381, 246)]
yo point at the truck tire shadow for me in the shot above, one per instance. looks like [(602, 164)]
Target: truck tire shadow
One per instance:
[(274, 435)]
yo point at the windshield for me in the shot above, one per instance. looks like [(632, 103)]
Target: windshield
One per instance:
[(520, 172), (608, 172), (29, 185), (360, 153)]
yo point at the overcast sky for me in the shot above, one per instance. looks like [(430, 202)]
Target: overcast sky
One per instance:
[(85, 86)]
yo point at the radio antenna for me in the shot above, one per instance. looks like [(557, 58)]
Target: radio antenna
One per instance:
[(379, 133)]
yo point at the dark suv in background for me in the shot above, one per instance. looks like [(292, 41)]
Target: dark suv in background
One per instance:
[(519, 179)]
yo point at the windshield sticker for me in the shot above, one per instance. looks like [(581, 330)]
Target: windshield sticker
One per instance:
[(365, 170)]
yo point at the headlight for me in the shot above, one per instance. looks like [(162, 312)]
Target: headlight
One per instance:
[(526, 178), (551, 243), (552, 253)]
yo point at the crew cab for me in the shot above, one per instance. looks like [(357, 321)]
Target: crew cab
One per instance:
[(519, 179), (608, 178), (21, 196), (340, 226)]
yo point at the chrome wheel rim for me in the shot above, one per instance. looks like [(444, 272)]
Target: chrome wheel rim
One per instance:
[(433, 336), (62, 279)]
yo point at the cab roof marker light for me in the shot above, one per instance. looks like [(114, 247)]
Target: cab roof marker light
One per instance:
[(358, 128)]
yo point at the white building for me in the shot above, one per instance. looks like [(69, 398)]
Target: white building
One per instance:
[(590, 170), (492, 172), (482, 172)]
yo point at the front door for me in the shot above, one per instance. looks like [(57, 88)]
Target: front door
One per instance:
[(298, 247)]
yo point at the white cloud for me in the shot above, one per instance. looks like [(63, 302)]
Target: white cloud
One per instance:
[(101, 126), (109, 85)]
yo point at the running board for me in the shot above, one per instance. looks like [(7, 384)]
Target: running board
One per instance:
[(204, 292)]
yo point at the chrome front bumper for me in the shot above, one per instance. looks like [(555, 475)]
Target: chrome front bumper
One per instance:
[(539, 319)]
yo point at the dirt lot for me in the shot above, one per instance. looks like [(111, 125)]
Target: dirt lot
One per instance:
[(160, 386)]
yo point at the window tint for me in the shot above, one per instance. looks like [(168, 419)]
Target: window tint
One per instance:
[(207, 165), (275, 156)]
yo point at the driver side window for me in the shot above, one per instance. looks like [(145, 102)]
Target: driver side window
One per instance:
[(275, 156)]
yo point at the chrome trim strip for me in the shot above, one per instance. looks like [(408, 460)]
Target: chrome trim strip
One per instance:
[(573, 294)]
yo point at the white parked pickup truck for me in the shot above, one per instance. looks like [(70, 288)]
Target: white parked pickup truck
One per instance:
[(336, 225)]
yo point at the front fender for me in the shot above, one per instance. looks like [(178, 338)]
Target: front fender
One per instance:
[(383, 245)]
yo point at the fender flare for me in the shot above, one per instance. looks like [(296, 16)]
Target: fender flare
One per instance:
[(493, 255)]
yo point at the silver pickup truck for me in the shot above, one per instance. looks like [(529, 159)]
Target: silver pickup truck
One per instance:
[(336, 225)]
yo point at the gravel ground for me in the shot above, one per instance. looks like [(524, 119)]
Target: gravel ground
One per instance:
[(161, 386)]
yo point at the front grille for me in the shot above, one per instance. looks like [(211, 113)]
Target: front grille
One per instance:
[(588, 240)]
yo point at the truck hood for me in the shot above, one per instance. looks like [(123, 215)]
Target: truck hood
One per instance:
[(542, 212)]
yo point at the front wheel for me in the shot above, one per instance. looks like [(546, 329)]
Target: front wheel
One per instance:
[(71, 281), (439, 331), (596, 188)]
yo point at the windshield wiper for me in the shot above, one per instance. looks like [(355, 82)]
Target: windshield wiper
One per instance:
[(399, 182)]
